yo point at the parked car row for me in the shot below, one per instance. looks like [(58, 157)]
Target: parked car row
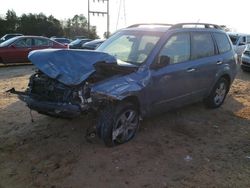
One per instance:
[(16, 47)]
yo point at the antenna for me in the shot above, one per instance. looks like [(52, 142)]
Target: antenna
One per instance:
[(121, 5)]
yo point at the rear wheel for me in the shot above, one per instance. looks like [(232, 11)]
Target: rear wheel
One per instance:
[(218, 94), (117, 124)]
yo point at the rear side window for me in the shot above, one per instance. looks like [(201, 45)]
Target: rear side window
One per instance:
[(202, 45), (222, 42)]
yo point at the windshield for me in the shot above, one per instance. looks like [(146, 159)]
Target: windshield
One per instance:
[(62, 40), (75, 42), (234, 39), (8, 42), (131, 47)]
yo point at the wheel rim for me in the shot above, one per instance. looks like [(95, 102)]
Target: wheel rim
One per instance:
[(125, 126), (220, 93)]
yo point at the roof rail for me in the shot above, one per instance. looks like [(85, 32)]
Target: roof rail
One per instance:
[(206, 25), (140, 24)]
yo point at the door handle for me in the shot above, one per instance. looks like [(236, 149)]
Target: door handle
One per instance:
[(191, 69), (219, 62)]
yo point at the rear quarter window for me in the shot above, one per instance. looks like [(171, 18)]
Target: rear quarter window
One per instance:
[(222, 42)]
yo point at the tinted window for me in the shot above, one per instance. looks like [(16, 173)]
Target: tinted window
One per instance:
[(202, 45), (222, 42), (177, 48), (41, 42), (23, 43)]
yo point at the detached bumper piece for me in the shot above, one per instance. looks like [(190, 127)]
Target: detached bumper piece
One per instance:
[(64, 110)]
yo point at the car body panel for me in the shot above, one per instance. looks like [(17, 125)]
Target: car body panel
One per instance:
[(70, 67)]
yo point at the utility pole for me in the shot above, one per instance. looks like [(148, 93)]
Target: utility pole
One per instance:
[(106, 12)]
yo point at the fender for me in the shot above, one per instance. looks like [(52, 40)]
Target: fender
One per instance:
[(226, 71)]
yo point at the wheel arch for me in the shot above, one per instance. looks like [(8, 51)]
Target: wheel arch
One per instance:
[(227, 77), (134, 100)]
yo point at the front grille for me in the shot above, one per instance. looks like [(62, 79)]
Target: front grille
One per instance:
[(48, 89)]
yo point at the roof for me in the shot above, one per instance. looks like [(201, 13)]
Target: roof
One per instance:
[(162, 27)]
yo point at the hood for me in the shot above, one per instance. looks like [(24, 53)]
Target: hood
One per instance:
[(70, 67)]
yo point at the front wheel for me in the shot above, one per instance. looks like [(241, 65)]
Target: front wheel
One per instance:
[(218, 94), (117, 124)]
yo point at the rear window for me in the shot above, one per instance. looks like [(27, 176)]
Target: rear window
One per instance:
[(222, 42), (202, 45)]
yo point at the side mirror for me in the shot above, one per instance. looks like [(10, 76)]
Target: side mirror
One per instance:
[(162, 61)]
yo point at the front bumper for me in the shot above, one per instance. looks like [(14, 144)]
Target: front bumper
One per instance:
[(65, 110)]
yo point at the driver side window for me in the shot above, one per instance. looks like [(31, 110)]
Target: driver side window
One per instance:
[(177, 48)]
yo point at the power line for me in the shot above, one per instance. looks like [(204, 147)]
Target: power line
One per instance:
[(90, 11), (121, 4)]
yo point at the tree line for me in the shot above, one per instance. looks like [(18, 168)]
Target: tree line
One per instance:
[(41, 25)]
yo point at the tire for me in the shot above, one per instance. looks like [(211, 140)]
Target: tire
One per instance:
[(218, 94), (118, 124)]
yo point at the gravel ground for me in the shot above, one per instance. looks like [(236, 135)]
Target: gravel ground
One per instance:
[(189, 147)]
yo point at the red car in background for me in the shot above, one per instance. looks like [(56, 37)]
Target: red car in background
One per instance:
[(16, 50)]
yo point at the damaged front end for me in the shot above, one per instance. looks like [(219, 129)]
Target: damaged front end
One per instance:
[(62, 85), (50, 97)]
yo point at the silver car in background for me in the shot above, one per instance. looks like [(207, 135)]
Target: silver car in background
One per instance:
[(240, 42), (245, 64)]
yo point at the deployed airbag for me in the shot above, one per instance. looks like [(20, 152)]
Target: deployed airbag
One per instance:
[(70, 67)]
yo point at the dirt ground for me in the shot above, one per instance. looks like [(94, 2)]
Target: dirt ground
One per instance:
[(189, 147)]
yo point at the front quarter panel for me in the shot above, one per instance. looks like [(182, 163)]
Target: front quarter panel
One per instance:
[(120, 87)]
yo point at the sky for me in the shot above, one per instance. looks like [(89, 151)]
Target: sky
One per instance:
[(233, 14)]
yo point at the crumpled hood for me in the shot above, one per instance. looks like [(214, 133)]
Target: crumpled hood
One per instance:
[(70, 67)]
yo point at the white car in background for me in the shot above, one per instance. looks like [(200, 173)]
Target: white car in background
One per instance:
[(240, 42)]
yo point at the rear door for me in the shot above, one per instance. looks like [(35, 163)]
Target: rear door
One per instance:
[(205, 61)]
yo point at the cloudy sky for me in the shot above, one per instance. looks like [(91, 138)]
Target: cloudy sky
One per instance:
[(234, 14)]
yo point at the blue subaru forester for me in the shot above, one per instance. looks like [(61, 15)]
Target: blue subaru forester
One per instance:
[(139, 71)]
